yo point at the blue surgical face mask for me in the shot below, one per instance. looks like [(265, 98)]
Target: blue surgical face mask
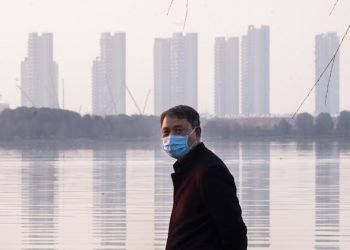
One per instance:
[(176, 145)]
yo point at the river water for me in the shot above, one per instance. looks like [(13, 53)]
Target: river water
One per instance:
[(294, 195)]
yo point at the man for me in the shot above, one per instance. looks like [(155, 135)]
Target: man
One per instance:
[(206, 213)]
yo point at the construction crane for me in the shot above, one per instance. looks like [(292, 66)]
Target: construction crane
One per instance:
[(50, 88), (25, 95), (134, 101), (114, 104), (62, 93), (146, 101)]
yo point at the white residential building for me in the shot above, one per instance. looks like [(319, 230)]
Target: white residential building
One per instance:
[(226, 77), (39, 73), (175, 71), (108, 76), (325, 47), (256, 72)]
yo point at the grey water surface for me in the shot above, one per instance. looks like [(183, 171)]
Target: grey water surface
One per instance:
[(294, 195)]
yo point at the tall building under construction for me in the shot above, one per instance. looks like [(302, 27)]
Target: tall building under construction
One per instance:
[(327, 89), (175, 71), (39, 73), (256, 72), (108, 76)]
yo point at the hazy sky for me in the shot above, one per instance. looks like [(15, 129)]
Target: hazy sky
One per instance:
[(77, 25)]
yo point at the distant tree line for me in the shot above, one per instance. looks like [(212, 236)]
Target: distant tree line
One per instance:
[(304, 125), (45, 123)]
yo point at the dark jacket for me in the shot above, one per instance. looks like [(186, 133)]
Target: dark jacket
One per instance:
[(206, 213)]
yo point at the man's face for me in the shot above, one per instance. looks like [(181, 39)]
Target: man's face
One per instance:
[(176, 126)]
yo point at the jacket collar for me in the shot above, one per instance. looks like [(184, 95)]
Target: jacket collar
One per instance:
[(186, 163)]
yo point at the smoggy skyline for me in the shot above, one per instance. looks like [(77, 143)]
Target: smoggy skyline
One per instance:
[(77, 26)]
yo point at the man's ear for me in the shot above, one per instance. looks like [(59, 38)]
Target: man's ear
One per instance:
[(198, 132)]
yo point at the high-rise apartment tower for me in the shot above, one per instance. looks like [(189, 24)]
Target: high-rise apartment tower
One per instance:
[(256, 72), (226, 77), (108, 76), (39, 73), (175, 71), (327, 93)]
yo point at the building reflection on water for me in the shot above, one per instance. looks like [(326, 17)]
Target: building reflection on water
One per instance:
[(39, 199), (109, 198), (121, 202), (327, 196), (229, 153), (255, 192), (163, 197)]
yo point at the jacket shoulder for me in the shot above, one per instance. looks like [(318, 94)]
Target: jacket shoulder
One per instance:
[(210, 162), (210, 159)]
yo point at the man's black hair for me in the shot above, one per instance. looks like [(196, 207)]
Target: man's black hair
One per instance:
[(182, 111)]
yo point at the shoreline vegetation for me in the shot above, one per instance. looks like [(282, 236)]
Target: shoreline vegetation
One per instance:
[(45, 124)]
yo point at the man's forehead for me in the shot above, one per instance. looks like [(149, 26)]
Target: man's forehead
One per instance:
[(172, 121)]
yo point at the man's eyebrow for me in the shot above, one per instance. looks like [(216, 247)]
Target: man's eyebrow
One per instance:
[(178, 126), (174, 127)]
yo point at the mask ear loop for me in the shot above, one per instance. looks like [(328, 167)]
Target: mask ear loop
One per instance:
[(188, 136)]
